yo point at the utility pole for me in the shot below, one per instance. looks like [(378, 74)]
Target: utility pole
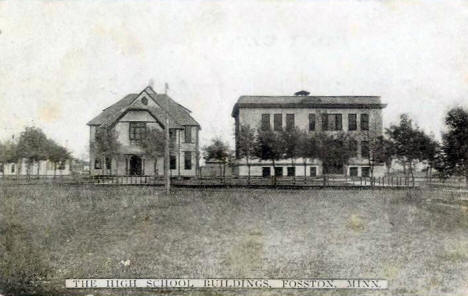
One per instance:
[(166, 148)]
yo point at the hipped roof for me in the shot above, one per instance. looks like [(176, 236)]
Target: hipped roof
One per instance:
[(178, 115)]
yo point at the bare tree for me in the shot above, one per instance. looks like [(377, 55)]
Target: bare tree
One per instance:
[(269, 146), (7, 154), (218, 150), (57, 154), (106, 145), (246, 145), (153, 145), (290, 139), (308, 148), (455, 144), (32, 146)]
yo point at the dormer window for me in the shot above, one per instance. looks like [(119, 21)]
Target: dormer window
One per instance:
[(144, 100)]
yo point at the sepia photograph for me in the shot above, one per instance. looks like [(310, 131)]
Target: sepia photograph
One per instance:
[(208, 147)]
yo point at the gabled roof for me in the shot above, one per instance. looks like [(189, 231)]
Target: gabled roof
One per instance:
[(178, 115), (367, 102)]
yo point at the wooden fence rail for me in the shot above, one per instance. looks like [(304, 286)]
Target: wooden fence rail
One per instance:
[(298, 181)]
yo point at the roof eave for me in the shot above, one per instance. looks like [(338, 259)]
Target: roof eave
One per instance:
[(307, 105), (235, 110)]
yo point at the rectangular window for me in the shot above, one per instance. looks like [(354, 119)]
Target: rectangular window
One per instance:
[(97, 164), (332, 122), (352, 122), (353, 171), (290, 121), (324, 122), (172, 162), (172, 135), (61, 165), (108, 163), (353, 147), (278, 122), (311, 122), (188, 160), (266, 171), (265, 122), (313, 172), (364, 122), (365, 171), (338, 122), (13, 167), (137, 132), (291, 171), (365, 149), (278, 171), (188, 134)]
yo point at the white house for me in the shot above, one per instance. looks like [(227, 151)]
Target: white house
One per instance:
[(132, 117), (41, 168)]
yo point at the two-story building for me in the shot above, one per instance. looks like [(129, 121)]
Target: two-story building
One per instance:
[(132, 118), (358, 116)]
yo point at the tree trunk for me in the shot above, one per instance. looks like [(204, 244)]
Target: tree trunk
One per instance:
[(28, 169), (55, 169), (305, 171), (117, 165), (466, 176), (274, 173), (430, 174), (294, 166), (18, 168), (155, 166), (411, 172), (248, 167), (224, 172)]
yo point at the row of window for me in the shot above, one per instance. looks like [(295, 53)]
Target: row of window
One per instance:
[(98, 164), (187, 161), (137, 132), (365, 171), (60, 166), (172, 162), (330, 122), (291, 171), (353, 147)]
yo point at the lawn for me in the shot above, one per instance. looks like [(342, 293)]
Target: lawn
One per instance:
[(52, 232)]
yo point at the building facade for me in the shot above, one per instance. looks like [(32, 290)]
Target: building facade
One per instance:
[(358, 116), (40, 168), (132, 118)]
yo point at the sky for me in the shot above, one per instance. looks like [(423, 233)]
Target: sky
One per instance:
[(62, 62)]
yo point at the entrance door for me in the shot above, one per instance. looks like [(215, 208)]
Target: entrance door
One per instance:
[(135, 166)]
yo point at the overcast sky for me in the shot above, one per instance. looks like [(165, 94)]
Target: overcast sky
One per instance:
[(62, 62)]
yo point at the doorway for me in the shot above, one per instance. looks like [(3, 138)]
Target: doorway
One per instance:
[(135, 166)]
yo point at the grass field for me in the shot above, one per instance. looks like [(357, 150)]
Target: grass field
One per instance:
[(49, 233)]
